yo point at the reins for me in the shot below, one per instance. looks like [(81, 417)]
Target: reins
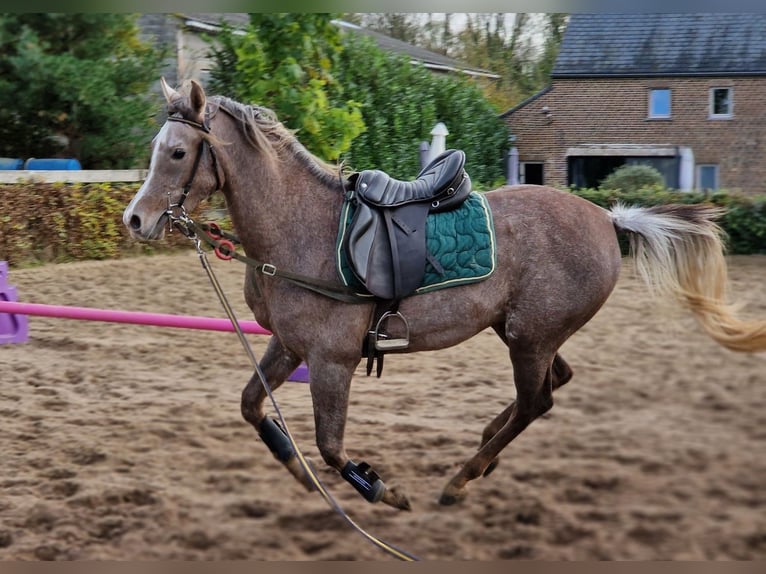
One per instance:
[(223, 244)]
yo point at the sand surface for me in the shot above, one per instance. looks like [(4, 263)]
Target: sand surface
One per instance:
[(126, 442)]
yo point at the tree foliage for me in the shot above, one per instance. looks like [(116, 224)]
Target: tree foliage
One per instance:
[(380, 104), (521, 47), (76, 85), (286, 62), (402, 103)]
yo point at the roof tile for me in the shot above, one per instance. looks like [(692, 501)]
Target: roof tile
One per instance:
[(662, 45)]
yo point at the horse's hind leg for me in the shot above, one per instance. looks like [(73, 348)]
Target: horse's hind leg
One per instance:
[(533, 377), (277, 364), (561, 373)]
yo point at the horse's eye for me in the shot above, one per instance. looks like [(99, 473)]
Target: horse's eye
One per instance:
[(178, 153)]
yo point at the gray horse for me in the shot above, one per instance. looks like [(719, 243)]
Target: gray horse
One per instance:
[(558, 260)]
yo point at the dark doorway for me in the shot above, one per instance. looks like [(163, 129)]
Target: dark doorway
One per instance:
[(588, 171), (532, 172)]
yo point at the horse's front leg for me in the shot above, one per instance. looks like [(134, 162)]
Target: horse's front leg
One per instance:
[(330, 385), (277, 364)]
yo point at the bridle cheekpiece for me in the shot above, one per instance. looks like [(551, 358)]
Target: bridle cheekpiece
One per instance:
[(176, 212)]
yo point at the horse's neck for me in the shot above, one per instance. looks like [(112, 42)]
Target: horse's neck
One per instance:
[(287, 218)]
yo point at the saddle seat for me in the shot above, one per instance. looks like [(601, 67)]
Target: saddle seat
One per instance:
[(437, 183)]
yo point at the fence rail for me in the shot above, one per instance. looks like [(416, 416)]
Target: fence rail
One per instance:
[(73, 176)]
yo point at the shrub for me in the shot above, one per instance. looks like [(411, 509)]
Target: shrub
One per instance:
[(352, 101), (57, 222), (632, 177), (400, 105), (744, 221)]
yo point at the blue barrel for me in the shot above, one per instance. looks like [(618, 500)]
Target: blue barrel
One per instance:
[(53, 164), (11, 163)]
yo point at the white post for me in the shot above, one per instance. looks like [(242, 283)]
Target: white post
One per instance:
[(439, 135), (686, 169), (513, 166)]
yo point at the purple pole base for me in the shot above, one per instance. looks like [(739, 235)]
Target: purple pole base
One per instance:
[(300, 375), (13, 328)]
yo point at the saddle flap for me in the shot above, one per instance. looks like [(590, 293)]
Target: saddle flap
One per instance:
[(386, 249), (363, 229)]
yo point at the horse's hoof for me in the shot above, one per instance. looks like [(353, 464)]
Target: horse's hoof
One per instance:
[(396, 499), (450, 498), (490, 467)]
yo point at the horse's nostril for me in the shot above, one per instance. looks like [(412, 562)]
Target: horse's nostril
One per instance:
[(135, 223)]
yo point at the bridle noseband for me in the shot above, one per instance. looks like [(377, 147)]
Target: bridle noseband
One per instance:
[(200, 151)]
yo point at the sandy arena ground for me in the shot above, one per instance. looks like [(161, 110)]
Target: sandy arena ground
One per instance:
[(126, 442)]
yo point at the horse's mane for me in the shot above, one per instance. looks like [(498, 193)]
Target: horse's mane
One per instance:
[(269, 136)]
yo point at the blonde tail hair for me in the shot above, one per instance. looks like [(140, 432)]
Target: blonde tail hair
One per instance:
[(678, 249)]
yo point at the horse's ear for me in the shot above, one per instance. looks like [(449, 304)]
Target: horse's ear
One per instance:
[(197, 100), (170, 94)]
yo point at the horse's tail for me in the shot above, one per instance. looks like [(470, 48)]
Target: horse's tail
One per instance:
[(678, 249)]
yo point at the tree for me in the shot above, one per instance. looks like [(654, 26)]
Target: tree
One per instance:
[(555, 25), (395, 103), (76, 85), (401, 104), (522, 53), (400, 25), (521, 48), (286, 62)]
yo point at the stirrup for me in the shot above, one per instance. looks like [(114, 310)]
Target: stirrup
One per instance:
[(382, 342)]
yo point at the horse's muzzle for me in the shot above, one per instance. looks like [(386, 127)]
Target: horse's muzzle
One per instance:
[(139, 229)]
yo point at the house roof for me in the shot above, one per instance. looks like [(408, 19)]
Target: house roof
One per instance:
[(426, 57), (429, 59), (528, 101), (632, 45)]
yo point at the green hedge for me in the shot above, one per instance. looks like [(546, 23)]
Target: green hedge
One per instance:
[(401, 103), (744, 221), (57, 222), (42, 223)]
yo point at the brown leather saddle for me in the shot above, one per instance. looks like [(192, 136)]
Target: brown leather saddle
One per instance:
[(386, 240)]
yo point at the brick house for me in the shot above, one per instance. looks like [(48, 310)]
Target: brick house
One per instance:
[(681, 92)]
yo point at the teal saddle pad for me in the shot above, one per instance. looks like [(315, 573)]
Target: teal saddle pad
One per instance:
[(462, 241)]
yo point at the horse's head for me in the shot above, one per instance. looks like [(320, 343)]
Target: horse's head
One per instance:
[(183, 170)]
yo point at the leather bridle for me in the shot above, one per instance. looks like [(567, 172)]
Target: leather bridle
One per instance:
[(200, 152)]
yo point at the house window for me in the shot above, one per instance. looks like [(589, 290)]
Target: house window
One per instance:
[(707, 176), (531, 172), (659, 103), (590, 171), (721, 103)]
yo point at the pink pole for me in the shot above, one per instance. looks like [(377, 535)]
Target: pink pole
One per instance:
[(133, 317)]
